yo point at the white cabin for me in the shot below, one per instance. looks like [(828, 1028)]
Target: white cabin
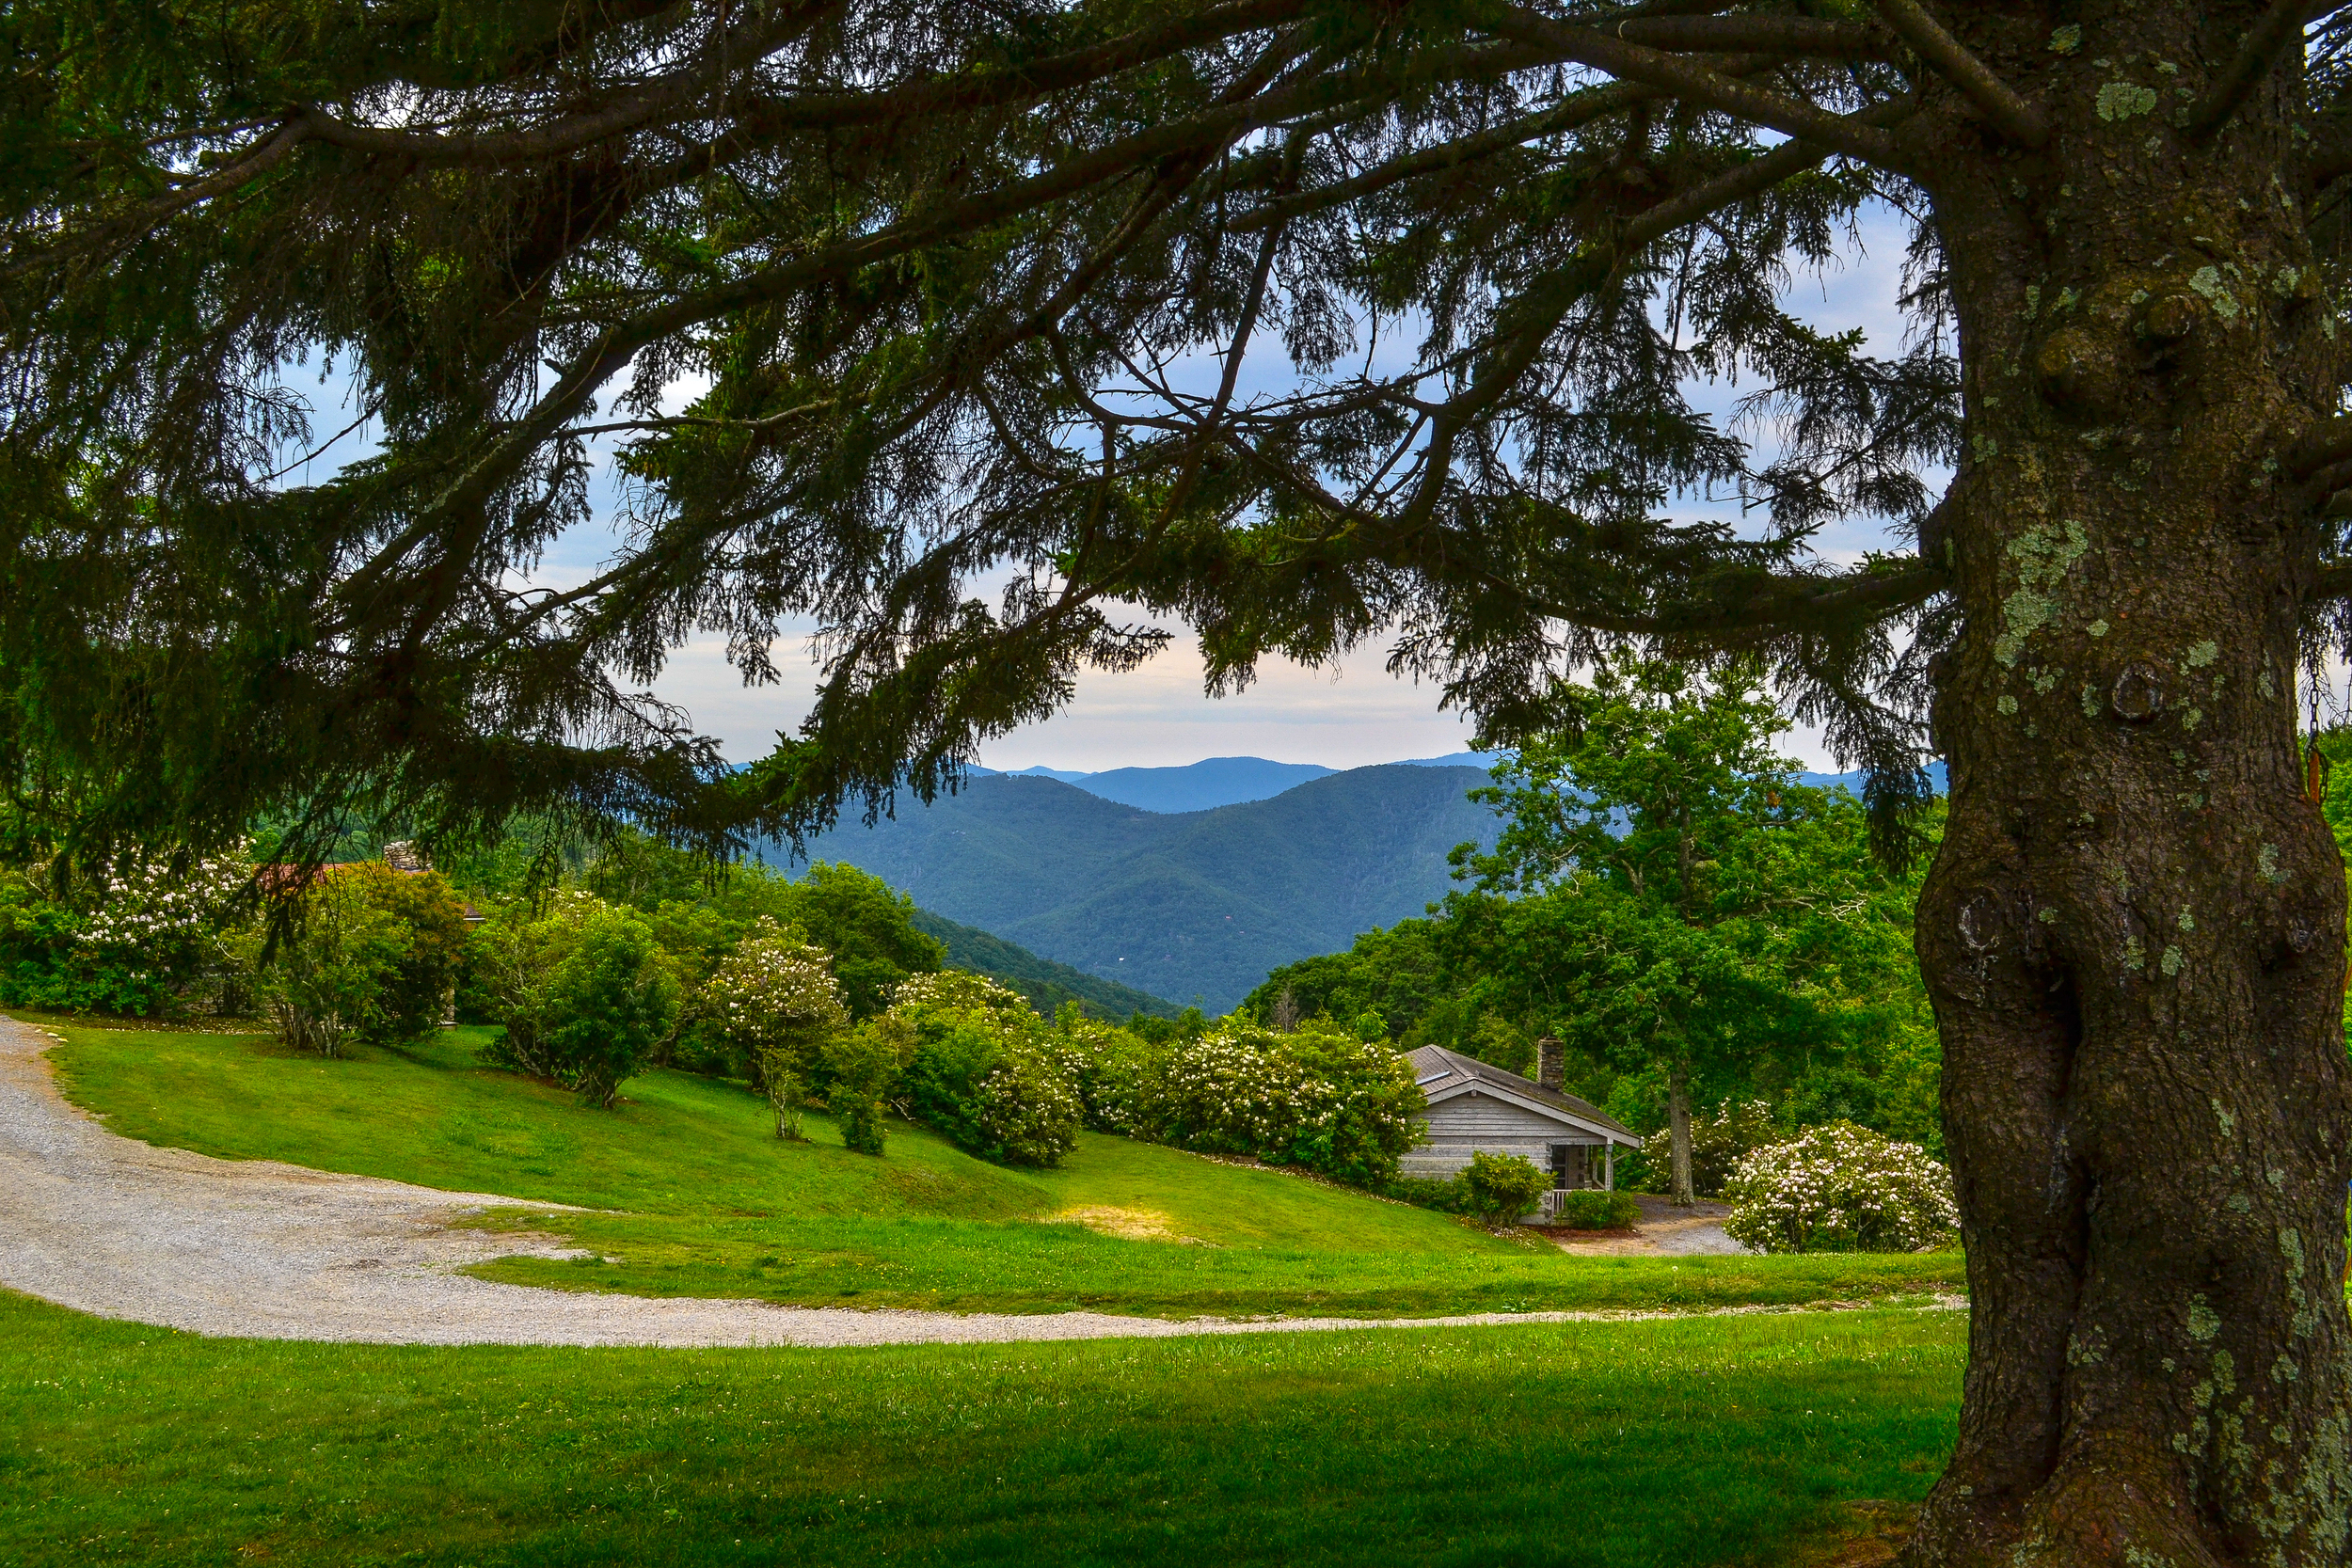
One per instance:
[(1477, 1108)]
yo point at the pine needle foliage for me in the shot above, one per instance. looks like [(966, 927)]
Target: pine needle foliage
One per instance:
[(1013, 329)]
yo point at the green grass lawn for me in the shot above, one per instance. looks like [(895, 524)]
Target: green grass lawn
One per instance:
[(710, 1203), (1649, 1445)]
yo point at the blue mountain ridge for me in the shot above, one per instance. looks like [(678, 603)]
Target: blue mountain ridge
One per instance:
[(1113, 875), (1192, 905)]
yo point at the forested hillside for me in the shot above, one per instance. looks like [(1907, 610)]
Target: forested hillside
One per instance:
[(1200, 905), (1044, 982)]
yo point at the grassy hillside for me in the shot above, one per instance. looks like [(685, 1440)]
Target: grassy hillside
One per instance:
[(1045, 983), (1652, 1444), (702, 1200), (1197, 905)]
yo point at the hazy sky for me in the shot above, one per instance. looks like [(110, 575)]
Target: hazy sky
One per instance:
[(1158, 716)]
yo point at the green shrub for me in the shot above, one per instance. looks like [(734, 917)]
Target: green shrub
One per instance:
[(334, 977), (978, 1070), (861, 1070), (1589, 1209), (774, 1005), (1111, 1069), (1318, 1098), (607, 1004), (860, 1117), (432, 937), (1502, 1187), (1446, 1194), (1840, 1188), (509, 964)]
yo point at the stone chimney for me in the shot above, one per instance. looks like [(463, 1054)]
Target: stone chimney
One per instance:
[(1552, 1064), (406, 855)]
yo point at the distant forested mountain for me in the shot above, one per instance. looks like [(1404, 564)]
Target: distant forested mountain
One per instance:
[(1201, 786), (1200, 905), (1045, 983)]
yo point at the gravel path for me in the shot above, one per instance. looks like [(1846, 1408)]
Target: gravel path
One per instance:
[(257, 1249), (1696, 1231)]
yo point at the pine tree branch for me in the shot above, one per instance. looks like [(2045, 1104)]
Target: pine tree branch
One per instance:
[(1581, 109), (1850, 134), (2280, 28), (1794, 603), (625, 111), (946, 93), (2331, 582), (2015, 119), (1755, 35), (257, 158)]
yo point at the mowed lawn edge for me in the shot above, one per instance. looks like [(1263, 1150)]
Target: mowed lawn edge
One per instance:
[(693, 1195), (1684, 1442)]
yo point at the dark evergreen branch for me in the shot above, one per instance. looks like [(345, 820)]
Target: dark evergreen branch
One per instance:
[(1774, 604), (2016, 120), (624, 111), (1748, 33), (2280, 28), (257, 159), (1583, 109), (1850, 134), (949, 92), (2332, 582)]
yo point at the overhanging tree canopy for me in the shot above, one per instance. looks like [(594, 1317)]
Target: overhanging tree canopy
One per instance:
[(974, 288)]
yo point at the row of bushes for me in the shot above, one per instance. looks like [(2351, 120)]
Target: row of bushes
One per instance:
[(1833, 1188), (971, 1059)]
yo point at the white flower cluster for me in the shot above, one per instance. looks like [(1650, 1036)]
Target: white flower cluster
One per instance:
[(1234, 1091), (1840, 1188), (143, 906), (1028, 1108), (1111, 1069), (773, 987), (956, 990)]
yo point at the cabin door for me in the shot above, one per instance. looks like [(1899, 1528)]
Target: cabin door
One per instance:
[(1568, 1166)]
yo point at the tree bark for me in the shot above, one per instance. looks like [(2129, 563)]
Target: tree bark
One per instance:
[(2133, 931), (1679, 1130)]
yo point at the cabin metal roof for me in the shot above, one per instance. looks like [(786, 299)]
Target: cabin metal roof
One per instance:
[(1442, 1074)]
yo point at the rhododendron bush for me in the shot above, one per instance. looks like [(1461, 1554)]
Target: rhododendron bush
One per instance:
[(775, 1005), (141, 936), (1840, 1188), (1318, 1098), (977, 1068)]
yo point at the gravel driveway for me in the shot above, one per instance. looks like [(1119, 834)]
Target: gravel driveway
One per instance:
[(253, 1248)]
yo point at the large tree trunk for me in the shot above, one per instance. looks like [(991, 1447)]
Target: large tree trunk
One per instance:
[(2134, 933), (1678, 1131)]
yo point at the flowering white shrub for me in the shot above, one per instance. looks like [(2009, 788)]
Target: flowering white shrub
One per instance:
[(774, 991), (1110, 1068), (1233, 1091), (958, 991), (1029, 1111), (774, 1000), (1318, 1098), (1840, 1188), (146, 906), (980, 1069)]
